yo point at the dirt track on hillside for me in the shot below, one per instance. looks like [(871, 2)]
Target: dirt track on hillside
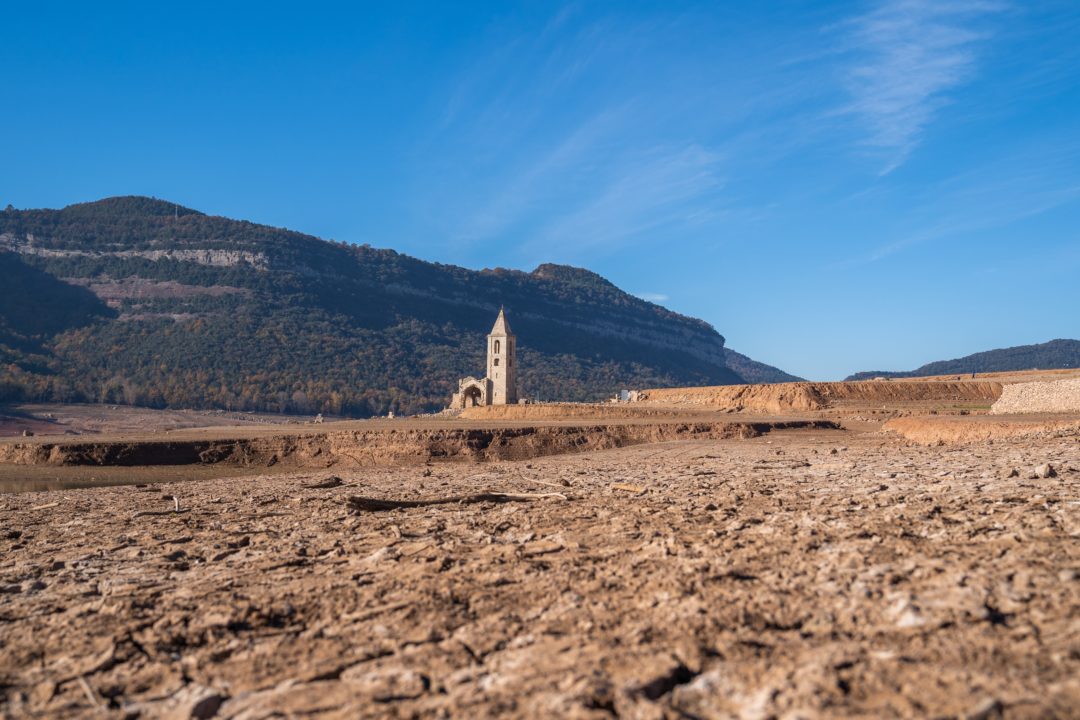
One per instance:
[(818, 574)]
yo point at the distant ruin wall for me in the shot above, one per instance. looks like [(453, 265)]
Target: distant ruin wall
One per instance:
[(1060, 396)]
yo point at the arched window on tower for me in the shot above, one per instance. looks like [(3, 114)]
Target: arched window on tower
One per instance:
[(497, 346)]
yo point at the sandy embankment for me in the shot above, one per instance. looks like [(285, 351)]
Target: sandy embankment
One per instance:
[(809, 397), (965, 429), (1030, 409)]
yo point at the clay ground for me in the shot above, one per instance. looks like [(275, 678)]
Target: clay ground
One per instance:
[(824, 573), (80, 419)]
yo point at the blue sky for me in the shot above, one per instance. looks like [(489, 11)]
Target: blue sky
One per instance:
[(836, 186)]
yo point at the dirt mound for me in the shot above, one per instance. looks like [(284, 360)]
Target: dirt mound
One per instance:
[(771, 399), (805, 397), (960, 429), (885, 392), (1061, 396)]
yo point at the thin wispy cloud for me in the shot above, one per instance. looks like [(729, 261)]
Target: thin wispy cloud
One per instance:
[(662, 188), (654, 297), (987, 198), (531, 181), (609, 167), (910, 54)]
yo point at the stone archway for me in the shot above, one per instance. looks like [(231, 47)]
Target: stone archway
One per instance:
[(472, 396), (471, 393)]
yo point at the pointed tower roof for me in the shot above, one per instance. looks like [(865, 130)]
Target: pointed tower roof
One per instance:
[(501, 327)]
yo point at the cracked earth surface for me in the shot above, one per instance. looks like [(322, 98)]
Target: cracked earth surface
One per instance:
[(801, 574)]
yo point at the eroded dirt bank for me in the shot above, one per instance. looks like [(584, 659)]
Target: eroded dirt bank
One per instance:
[(811, 396), (795, 575), (385, 447), (967, 429)]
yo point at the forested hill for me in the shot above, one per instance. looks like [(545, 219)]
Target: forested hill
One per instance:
[(140, 301), (1044, 356)]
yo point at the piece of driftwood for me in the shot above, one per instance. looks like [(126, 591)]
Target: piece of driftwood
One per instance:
[(90, 694), (152, 513), (366, 504), (543, 482), (626, 487), (331, 482)]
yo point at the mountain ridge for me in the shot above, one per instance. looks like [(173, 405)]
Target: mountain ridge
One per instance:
[(1060, 353), (197, 310)]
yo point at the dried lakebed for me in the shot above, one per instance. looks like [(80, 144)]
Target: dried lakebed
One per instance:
[(797, 574)]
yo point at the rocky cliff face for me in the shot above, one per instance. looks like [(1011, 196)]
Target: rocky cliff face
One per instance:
[(191, 310), (28, 245)]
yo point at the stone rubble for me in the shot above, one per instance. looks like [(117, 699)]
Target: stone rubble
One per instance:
[(1054, 396)]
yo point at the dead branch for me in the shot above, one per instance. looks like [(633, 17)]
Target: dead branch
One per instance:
[(359, 504)]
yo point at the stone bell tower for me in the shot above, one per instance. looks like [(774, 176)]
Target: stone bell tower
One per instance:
[(501, 365)]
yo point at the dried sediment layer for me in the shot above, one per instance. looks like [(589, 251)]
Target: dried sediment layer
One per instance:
[(385, 447), (1061, 396), (567, 411), (964, 429), (804, 396)]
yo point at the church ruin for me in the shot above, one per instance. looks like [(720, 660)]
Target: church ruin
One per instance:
[(499, 386)]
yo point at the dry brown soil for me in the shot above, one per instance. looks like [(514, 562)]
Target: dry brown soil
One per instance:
[(80, 419), (796, 574)]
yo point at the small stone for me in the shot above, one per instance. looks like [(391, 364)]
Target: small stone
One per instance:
[(207, 707), (1012, 472), (196, 701), (987, 710), (1069, 575), (43, 692), (1046, 470)]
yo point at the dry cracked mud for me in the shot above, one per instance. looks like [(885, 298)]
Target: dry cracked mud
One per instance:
[(799, 574)]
